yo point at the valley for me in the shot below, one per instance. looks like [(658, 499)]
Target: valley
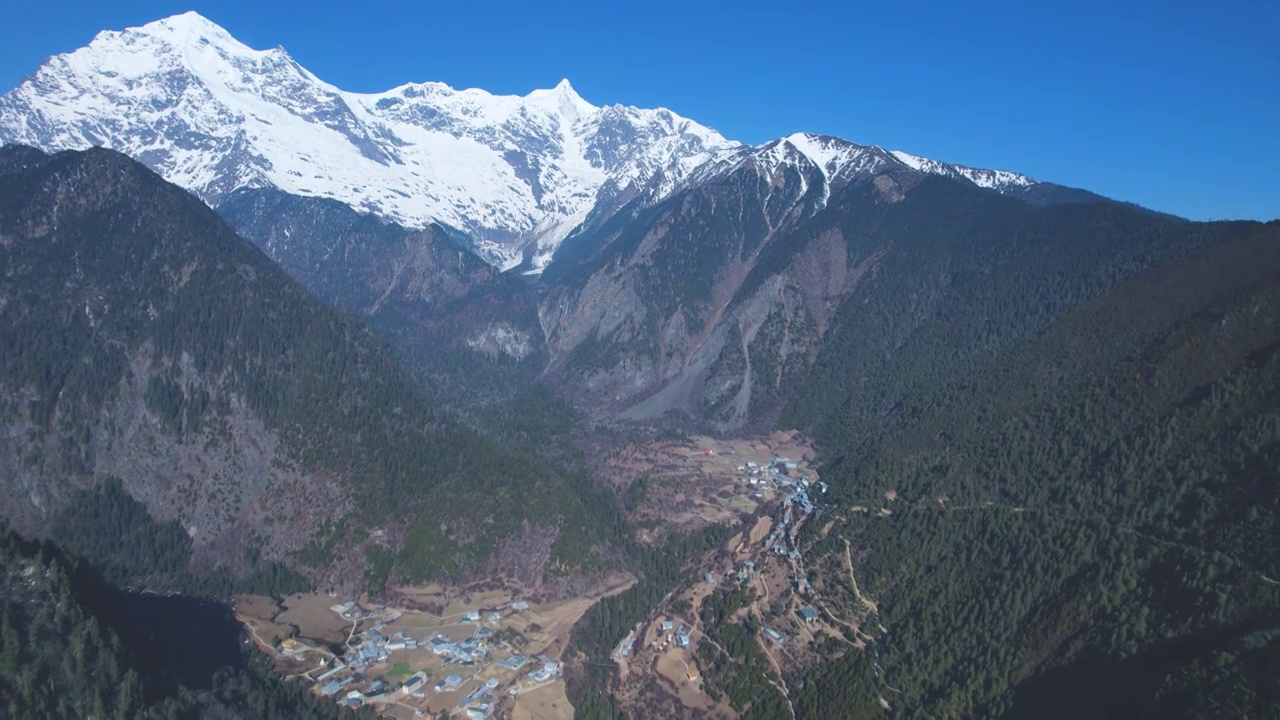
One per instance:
[(436, 402), (448, 649), (484, 651)]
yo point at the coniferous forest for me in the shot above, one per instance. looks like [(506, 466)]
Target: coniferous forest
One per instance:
[(1086, 525), (73, 646), (1050, 431)]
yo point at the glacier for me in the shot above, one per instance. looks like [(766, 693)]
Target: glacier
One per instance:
[(515, 174), (212, 115)]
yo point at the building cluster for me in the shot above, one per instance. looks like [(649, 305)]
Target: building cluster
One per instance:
[(376, 645), (672, 633), (780, 474), (797, 493), (474, 648)]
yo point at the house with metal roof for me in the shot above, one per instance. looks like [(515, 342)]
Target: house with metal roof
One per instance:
[(513, 662)]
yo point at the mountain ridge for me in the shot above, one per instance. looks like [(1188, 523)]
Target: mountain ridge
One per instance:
[(517, 174), (146, 341), (212, 114)]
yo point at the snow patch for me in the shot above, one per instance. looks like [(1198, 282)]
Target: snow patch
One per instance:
[(1000, 180)]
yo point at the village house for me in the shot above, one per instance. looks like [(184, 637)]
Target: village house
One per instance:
[(337, 665), (413, 684), (546, 672), (453, 682), (513, 662), (333, 687), (682, 637)]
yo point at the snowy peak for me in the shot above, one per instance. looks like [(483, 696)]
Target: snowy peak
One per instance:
[(516, 173), (835, 161), (184, 29), (213, 115), (999, 180), (840, 161), (562, 100)]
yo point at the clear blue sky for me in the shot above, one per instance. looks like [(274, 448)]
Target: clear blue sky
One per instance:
[(1174, 105)]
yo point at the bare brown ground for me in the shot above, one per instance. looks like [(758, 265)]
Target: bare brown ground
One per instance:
[(310, 613), (673, 666), (548, 702), (760, 530), (698, 483)]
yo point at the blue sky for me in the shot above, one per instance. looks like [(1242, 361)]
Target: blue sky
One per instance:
[(1174, 105)]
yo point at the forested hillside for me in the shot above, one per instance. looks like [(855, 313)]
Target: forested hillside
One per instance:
[(745, 300), (1085, 525), (144, 340), (1051, 432), (71, 646), (468, 332)]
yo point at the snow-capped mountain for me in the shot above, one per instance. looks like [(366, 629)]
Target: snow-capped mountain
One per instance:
[(213, 115), (517, 174), (1000, 180), (839, 161)]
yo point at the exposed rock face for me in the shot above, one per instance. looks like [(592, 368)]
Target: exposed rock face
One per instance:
[(716, 302), (710, 302), (231, 488), (353, 261), (502, 339), (469, 331)]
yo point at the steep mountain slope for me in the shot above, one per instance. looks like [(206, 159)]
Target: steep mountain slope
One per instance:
[(1082, 523), (1085, 525), (75, 647), (469, 331), (715, 301), (144, 340), (515, 175), (213, 115)]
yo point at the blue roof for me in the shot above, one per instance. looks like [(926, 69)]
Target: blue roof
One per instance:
[(808, 613), (514, 662)]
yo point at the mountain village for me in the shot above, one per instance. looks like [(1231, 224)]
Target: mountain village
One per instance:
[(481, 659), (770, 490), (495, 654)]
